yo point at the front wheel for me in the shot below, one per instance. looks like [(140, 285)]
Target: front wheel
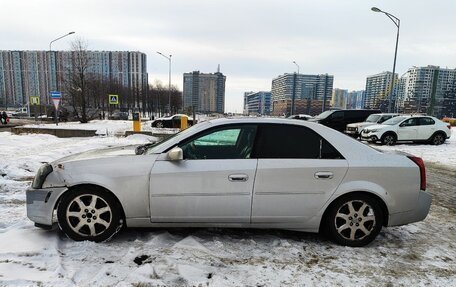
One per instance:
[(389, 139), (354, 220), (88, 213)]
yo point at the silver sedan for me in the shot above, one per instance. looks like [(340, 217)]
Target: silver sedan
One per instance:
[(247, 173)]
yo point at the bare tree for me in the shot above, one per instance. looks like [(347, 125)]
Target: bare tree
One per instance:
[(77, 86)]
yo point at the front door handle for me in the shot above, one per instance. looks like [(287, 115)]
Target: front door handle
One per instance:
[(238, 177), (324, 175)]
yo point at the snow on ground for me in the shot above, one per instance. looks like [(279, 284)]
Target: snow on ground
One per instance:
[(103, 127), (420, 254), (444, 154)]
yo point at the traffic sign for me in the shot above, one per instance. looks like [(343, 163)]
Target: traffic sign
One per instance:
[(56, 95), (34, 100), (113, 99)]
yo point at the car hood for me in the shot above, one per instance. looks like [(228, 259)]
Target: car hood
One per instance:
[(360, 124), (99, 153), (377, 127)]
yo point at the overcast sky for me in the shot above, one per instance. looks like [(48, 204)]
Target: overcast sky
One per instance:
[(252, 40)]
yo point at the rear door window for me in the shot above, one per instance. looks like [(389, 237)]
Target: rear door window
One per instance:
[(426, 121), (291, 141)]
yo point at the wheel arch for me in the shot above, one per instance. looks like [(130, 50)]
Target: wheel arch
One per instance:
[(436, 133), (389, 133), (374, 196), (102, 188)]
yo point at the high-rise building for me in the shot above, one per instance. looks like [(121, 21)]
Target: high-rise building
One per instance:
[(339, 98), (428, 90), (355, 100), (378, 88), (204, 92), (300, 87), (257, 103), (36, 73)]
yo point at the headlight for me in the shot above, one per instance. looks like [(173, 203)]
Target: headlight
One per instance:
[(372, 131), (41, 175)]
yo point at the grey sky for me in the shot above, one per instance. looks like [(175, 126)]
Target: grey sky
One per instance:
[(253, 41)]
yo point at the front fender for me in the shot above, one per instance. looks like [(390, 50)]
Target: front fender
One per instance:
[(127, 177)]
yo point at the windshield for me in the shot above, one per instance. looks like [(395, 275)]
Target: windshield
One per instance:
[(394, 121), (373, 118), (154, 148), (324, 115)]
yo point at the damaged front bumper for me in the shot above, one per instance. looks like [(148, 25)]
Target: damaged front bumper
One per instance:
[(41, 204)]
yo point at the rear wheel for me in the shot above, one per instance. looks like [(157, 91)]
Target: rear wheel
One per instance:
[(354, 220), (438, 139), (160, 125), (89, 213), (389, 139)]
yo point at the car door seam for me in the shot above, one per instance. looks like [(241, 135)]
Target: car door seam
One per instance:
[(253, 190)]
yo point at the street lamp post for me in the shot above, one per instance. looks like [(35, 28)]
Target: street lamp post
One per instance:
[(169, 80), (396, 22), (50, 51), (294, 62), (293, 98)]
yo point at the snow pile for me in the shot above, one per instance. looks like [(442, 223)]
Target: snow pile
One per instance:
[(410, 255)]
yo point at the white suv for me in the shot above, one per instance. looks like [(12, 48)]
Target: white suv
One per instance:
[(408, 128), (355, 129)]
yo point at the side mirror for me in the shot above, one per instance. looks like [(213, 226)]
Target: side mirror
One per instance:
[(176, 154), (140, 149)]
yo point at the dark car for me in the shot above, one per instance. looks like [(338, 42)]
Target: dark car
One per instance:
[(171, 122), (119, 116), (339, 119), (300, 117)]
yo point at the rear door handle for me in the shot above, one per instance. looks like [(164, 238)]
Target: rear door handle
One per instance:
[(238, 177), (324, 175)]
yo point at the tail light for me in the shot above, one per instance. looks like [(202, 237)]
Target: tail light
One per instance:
[(419, 162), (449, 127)]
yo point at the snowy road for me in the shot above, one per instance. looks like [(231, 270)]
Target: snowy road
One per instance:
[(421, 254)]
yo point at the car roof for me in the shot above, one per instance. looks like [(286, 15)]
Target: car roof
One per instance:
[(340, 141)]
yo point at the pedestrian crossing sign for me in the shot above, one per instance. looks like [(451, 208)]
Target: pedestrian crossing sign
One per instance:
[(35, 100), (113, 99)]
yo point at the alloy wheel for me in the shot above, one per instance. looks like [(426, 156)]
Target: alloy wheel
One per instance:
[(389, 140), (355, 220), (88, 215), (438, 139)]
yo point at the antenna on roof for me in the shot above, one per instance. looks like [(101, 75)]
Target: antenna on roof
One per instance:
[(218, 68)]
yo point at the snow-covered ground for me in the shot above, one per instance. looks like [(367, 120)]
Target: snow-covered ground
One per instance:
[(420, 254), (103, 127)]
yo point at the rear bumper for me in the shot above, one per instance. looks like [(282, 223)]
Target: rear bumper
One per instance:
[(415, 215), (41, 203)]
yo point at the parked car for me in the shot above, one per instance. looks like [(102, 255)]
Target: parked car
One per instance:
[(249, 173), (118, 115), (171, 122), (355, 129), (339, 119), (408, 128), (303, 117)]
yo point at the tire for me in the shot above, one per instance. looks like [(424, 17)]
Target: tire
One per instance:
[(438, 139), (89, 213), (354, 220), (389, 139), (160, 125)]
